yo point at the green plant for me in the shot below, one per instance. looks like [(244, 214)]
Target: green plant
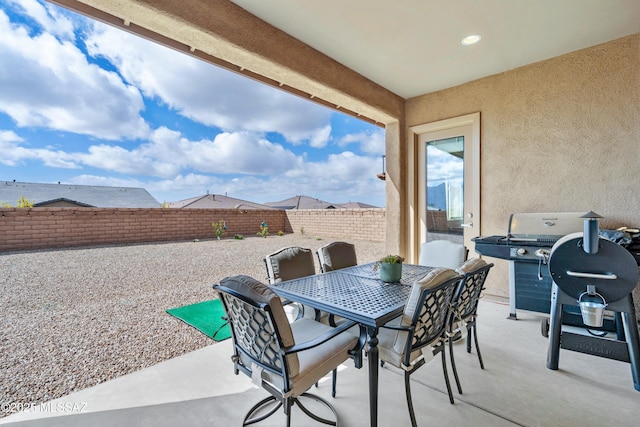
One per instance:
[(280, 233), (238, 237), (219, 227), (5, 205), (390, 259), (302, 230), (165, 205), (24, 203), (264, 230)]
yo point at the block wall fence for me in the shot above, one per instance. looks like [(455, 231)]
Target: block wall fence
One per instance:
[(49, 228)]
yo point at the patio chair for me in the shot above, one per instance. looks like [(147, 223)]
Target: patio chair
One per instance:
[(291, 263), (465, 306), (416, 337), (336, 255), (442, 253), (285, 359)]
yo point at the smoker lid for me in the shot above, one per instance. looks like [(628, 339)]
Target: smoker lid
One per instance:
[(544, 226), (613, 270)]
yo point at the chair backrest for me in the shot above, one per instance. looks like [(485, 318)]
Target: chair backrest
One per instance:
[(336, 255), (289, 263), (474, 272), (442, 253), (259, 328), (428, 308)]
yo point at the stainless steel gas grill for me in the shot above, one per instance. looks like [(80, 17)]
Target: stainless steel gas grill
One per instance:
[(527, 244)]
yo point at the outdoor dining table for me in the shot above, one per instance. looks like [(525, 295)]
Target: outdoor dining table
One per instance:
[(357, 293)]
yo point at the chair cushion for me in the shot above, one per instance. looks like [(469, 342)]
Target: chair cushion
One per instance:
[(471, 265), (433, 279), (318, 361), (442, 253), (392, 343), (290, 263), (337, 255), (467, 302), (261, 293)]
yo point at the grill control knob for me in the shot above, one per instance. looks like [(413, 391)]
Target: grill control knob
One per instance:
[(521, 251)]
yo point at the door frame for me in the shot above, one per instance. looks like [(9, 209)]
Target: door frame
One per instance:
[(413, 196)]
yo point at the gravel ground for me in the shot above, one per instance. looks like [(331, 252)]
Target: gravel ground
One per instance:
[(75, 318)]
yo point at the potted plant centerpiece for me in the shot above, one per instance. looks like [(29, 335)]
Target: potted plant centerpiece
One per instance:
[(390, 268)]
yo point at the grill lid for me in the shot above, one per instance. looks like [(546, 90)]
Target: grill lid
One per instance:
[(612, 270), (543, 227)]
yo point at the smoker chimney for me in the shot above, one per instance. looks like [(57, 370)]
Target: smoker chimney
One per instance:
[(591, 232)]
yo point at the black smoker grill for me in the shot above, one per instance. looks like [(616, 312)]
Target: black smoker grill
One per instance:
[(529, 239), (594, 274)]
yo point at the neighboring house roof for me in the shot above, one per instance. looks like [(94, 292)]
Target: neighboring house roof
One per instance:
[(61, 202), (356, 205), (303, 202), (216, 201), (76, 195)]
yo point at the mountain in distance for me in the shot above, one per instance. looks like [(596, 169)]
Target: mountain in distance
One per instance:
[(437, 197)]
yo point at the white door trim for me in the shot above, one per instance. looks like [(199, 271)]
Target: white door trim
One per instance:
[(413, 169)]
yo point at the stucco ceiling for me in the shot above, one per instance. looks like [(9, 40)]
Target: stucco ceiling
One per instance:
[(412, 47)]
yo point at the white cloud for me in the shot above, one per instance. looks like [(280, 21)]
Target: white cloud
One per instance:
[(208, 94), (369, 142), (49, 83), (48, 16), (444, 166), (14, 153), (342, 178), (166, 154), (320, 139)]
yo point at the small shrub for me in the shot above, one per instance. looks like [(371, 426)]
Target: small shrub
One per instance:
[(280, 233), (25, 203), (264, 231), (220, 228), (238, 237), (302, 230)]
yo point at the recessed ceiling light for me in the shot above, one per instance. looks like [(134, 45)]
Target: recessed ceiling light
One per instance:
[(472, 39)]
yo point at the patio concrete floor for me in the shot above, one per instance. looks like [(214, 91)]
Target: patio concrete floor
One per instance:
[(516, 388)]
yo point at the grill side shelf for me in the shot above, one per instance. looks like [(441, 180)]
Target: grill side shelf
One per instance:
[(492, 246)]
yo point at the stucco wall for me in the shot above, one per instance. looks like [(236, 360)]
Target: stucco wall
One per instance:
[(558, 135)]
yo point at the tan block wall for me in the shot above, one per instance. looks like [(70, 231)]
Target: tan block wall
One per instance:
[(47, 228), (362, 224)]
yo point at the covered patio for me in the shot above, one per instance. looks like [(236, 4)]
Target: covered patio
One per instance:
[(558, 133), (515, 389)]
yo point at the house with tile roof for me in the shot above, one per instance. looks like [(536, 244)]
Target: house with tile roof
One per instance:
[(216, 201), (303, 202), (357, 205), (77, 196)]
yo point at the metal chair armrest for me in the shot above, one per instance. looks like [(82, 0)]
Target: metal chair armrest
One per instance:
[(408, 328)]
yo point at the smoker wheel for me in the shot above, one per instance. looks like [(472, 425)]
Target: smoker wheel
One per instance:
[(544, 327)]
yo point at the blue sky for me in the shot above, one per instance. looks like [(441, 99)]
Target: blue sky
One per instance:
[(85, 103)]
